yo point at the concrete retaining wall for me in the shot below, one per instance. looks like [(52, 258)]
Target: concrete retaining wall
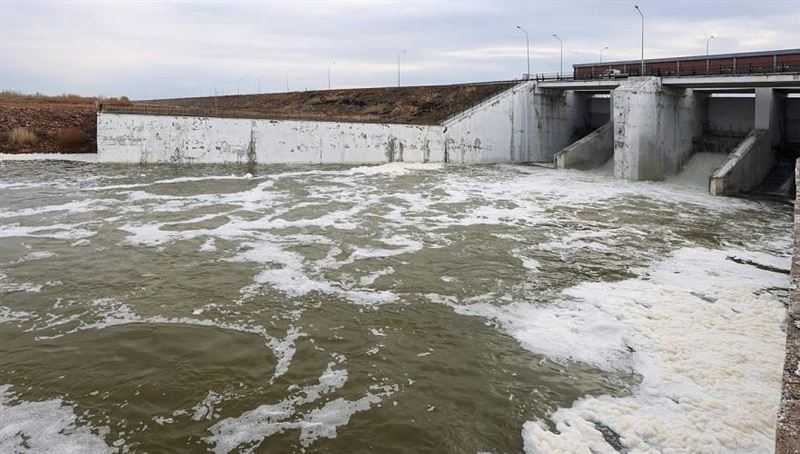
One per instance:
[(496, 130), (589, 152), (178, 139), (746, 167), (656, 128), (787, 436)]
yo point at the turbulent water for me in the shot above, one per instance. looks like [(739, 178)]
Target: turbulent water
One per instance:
[(397, 308)]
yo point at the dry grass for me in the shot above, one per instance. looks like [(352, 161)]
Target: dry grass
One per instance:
[(22, 136), (71, 137)]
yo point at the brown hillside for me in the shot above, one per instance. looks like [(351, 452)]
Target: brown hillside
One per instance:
[(408, 105)]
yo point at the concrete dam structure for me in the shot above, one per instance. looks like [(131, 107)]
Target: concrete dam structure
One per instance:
[(649, 125)]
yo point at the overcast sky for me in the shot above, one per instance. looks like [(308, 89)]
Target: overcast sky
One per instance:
[(162, 49)]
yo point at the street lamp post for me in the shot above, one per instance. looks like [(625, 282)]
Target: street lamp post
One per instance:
[(641, 14), (528, 49), (561, 43), (707, 43), (329, 73), (601, 53), (399, 54)]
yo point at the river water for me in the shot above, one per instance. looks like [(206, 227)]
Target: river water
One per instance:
[(396, 308)]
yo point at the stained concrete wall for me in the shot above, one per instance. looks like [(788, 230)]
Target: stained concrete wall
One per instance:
[(730, 116), (746, 167), (655, 129), (180, 139), (787, 436), (496, 130), (589, 152), (560, 117)]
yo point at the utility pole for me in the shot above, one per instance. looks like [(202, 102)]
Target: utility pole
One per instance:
[(641, 14), (528, 48), (707, 61), (398, 65), (561, 71)]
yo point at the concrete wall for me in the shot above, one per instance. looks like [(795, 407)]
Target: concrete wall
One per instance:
[(560, 117), (770, 113), (655, 128), (496, 130), (746, 167), (589, 152), (177, 139), (730, 116)]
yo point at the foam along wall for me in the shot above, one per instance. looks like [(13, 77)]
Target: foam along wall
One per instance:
[(496, 130)]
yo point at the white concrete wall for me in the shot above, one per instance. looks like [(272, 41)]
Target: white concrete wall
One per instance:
[(179, 139), (655, 128), (497, 130)]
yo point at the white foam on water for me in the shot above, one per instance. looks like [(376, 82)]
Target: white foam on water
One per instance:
[(705, 338), (172, 181), (253, 426), (393, 168), (55, 231), (49, 426), (75, 157), (697, 171), (80, 206)]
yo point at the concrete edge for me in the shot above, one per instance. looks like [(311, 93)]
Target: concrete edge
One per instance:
[(558, 158), (718, 183), (787, 430), (488, 101)]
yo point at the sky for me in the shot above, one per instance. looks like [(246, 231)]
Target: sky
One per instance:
[(156, 49)]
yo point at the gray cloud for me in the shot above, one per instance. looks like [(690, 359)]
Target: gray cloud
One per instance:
[(159, 49)]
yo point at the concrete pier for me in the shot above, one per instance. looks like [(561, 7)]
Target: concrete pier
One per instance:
[(655, 129)]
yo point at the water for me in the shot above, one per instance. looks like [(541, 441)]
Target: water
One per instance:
[(399, 308)]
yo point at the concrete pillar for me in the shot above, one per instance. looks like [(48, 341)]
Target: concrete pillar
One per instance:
[(560, 117), (770, 113), (655, 128)]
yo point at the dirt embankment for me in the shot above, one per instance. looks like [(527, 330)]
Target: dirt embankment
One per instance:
[(47, 124), (408, 105)]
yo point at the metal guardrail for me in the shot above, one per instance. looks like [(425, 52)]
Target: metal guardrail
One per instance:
[(786, 67)]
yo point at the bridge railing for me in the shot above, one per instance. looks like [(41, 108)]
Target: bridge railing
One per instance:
[(612, 72)]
